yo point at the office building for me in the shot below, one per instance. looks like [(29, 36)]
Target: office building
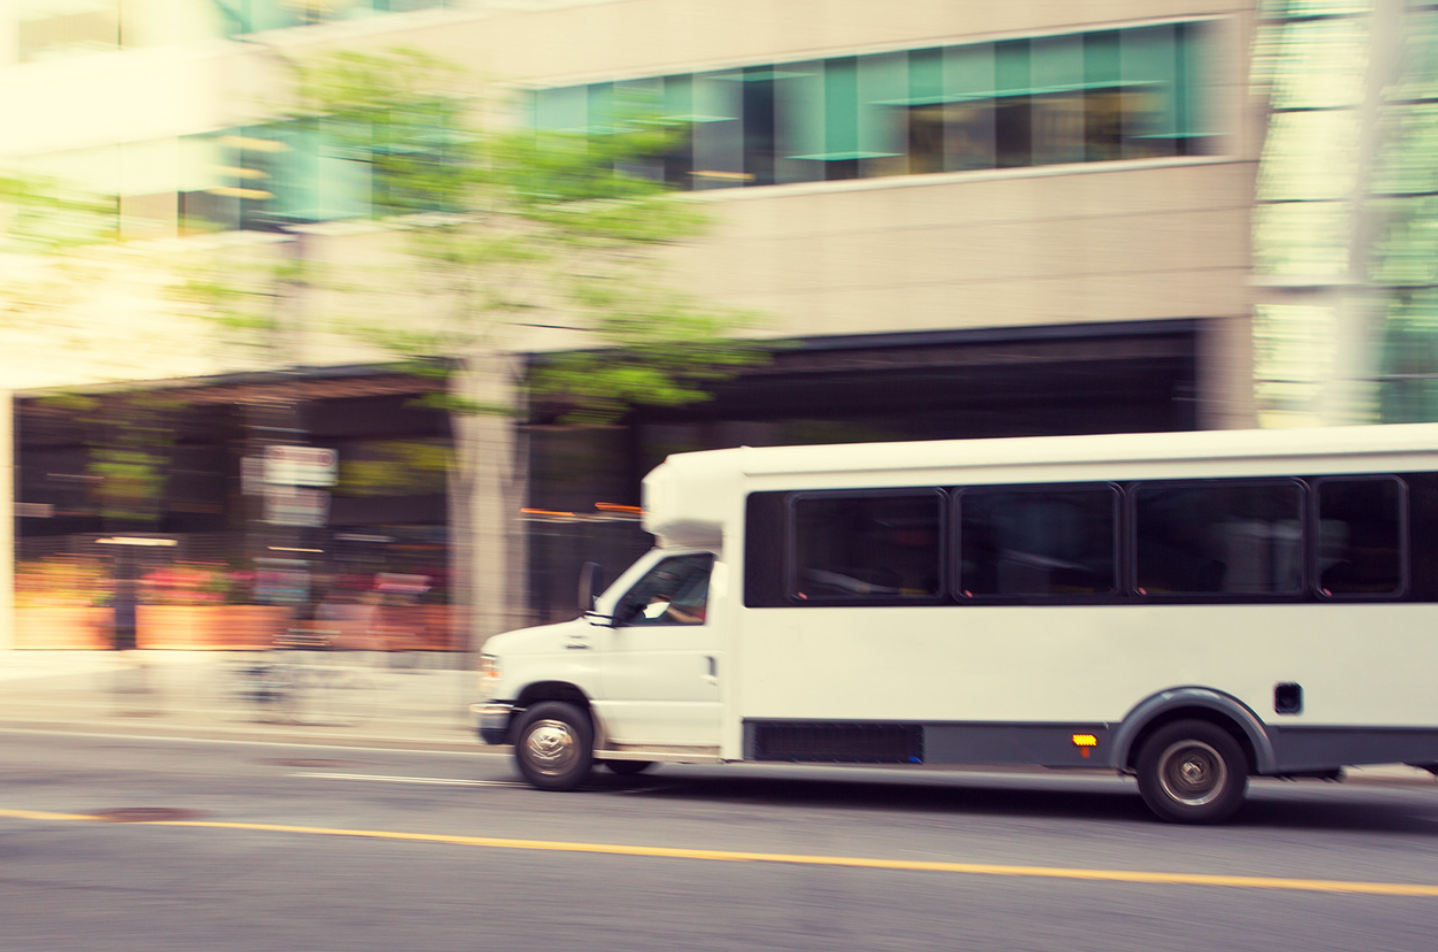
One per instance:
[(964, 220)]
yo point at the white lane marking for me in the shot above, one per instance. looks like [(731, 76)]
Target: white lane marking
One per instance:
[(435, 781)]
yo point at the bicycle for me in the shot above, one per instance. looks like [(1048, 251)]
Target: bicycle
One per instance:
[(289, 685)]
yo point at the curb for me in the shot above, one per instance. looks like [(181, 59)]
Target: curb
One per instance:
[(139, 727)]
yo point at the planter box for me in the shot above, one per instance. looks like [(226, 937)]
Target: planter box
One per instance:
[(416, 628), (61, 627), (209, 627), (229, 628)]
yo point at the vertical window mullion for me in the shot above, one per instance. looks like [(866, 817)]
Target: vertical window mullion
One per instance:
[(1013, 119), (925, 125), (599, 109), (678, 106), (1149, 66), (562, 110), (841, 117), (1103, 122), (971, 107), (1057, 77), (882, 85), (718, 130), (799, 121), (759, 110)]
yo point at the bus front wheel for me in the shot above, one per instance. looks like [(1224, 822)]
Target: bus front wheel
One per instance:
[(1192, 772), (554, 747)]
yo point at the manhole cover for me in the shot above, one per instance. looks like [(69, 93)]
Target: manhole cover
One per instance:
[(312, 763), (145, 815)]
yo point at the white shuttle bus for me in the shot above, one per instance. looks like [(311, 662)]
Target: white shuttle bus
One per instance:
[(1191, 609)]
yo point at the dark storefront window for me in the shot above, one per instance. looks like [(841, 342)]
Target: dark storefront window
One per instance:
[(163, 496)]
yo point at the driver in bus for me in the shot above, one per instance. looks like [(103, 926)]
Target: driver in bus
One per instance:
[(683, 601)]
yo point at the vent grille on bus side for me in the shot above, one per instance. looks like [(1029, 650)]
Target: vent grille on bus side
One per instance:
[(800, 742)]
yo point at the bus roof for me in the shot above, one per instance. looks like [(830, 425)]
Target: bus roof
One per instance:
[(688, 497), (1344, 442)]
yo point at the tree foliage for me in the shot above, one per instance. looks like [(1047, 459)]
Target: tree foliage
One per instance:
[(509, 231), (42, 215), (45, 228)]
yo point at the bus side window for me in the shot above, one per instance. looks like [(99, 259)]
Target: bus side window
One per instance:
[(1219, 537), (1360, 536), (1038, 541), (867, 546)]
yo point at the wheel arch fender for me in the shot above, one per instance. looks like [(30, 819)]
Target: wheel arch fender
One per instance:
[(540, 691), (1203, 703)]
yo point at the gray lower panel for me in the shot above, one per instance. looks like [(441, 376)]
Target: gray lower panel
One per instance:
[(974, 744), (1043, 745), (1322, 748), (1296, 749)]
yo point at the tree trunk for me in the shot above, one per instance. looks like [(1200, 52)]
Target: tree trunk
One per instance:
[(487, 551)]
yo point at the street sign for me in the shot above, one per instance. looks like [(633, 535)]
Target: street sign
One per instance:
[(300, 466)]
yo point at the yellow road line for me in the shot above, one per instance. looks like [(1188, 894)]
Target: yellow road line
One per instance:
[(851, 862)]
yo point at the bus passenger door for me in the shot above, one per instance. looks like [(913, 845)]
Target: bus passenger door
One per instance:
[(661, 665)]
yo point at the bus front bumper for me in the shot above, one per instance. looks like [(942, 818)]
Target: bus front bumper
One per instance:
[(494, 719)]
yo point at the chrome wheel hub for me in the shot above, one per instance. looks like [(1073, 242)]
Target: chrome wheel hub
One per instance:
[(551, 747), (1192, 772)]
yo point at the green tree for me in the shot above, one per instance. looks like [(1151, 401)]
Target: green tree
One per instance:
[(46, 229), (494, 241), (510, 230), (57, 243)]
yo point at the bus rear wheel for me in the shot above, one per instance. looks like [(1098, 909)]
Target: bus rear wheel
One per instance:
[(554, 747), (1192, 772)]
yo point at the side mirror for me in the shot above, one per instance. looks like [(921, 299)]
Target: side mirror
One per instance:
[(591, 583)]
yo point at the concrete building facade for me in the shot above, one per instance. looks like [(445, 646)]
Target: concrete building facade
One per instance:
[(973, 219)]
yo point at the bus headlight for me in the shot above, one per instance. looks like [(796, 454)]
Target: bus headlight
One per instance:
[(489, 677)]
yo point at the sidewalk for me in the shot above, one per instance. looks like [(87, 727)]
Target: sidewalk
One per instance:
[(403, 700)]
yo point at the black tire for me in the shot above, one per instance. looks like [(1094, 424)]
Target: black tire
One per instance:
[(1192, 772), (554, 746), (628, 768)]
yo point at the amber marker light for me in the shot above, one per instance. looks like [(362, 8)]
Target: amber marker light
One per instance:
[(1084, 742)]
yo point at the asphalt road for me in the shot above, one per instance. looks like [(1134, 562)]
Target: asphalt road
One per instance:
[(203, 846)]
